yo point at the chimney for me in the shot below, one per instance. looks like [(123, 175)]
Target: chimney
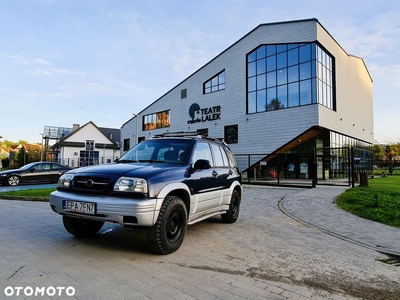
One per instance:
[(75, 127)]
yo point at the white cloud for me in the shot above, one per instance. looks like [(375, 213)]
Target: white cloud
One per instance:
[(67, 72), (42, 61), (18, 59), (41, 72)]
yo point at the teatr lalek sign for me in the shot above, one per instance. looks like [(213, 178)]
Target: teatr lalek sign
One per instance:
[(204, 114)]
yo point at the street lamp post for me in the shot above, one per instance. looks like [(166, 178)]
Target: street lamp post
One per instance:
[(41, 148), (137, 129)]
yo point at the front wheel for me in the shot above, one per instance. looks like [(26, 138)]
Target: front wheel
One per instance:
[(13, 180), (167, 234), (81, 227), (233, 213)]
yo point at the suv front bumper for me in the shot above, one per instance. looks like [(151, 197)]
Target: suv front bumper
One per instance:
[(125, 211)]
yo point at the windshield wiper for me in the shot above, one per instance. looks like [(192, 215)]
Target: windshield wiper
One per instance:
[(150, 161), (125, 161)]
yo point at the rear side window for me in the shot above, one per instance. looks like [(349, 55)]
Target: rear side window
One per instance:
[(231, 157), (218, 158)]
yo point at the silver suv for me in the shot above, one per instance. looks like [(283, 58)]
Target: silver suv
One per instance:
[(162, 184)]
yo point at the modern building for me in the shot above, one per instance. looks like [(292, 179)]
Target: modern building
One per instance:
[(283, 88)]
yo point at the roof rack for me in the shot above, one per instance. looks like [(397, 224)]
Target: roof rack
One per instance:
[(193, 134)]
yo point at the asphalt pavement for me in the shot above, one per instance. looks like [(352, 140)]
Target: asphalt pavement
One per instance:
[(287, 244)]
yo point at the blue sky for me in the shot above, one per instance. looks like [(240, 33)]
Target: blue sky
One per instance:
[(71, 61)]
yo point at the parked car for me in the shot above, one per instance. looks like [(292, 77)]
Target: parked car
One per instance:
[(36, 172), (162, 185)]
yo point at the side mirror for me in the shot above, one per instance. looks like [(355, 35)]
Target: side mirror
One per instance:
[(32, 170), (202, 164)]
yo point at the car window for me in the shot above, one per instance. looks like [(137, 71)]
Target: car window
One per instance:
[(43, 167), (231, 157), (145, 153), (218, 160), (158, 150), (224, 157), (202, 151)]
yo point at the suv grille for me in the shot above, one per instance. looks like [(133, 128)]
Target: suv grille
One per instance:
[(98, 184)]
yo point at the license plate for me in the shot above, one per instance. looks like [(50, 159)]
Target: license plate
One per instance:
[(79, 207)]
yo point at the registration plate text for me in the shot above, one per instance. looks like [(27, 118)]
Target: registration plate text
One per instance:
[(79, 207)]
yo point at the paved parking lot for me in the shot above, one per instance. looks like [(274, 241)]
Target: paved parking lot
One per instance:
[(266, 254)]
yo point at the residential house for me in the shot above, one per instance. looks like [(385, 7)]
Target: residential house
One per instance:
[(87, 145)]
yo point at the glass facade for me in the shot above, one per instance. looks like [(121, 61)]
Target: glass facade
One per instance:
[(289, 75), (340, 140)]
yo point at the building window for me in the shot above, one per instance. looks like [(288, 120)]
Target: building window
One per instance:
[(216, 83), (157, 120), (127, 144), (89, 145), (184, 94), (203, 132), (231, 135), (88, 158), (289, 75)]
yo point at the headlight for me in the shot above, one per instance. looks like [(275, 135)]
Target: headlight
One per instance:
[(130, 184), (65, 180)]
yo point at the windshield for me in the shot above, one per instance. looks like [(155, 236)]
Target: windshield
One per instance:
[(158, 150)]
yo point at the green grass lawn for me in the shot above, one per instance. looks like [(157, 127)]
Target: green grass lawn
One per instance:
[(33, 194), (379, 201)]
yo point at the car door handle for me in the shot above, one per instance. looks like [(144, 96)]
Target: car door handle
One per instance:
[(214, 173)]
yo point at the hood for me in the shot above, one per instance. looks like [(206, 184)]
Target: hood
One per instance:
[(8, 172), (125, 169)]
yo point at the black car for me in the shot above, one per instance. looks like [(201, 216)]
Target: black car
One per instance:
[(162, 185), (36, 172)]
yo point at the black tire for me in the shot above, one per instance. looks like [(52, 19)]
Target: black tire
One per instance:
[(167, 234), (81, 227), (234, 207), (13, 180)]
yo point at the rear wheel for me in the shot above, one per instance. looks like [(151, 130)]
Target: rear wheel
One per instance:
[(233, 213), (13, 180), (167, 234), (81, 227)]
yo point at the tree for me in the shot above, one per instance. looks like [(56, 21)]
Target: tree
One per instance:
[(378, 153), (22, 157), (275, 105), (8, 143)]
